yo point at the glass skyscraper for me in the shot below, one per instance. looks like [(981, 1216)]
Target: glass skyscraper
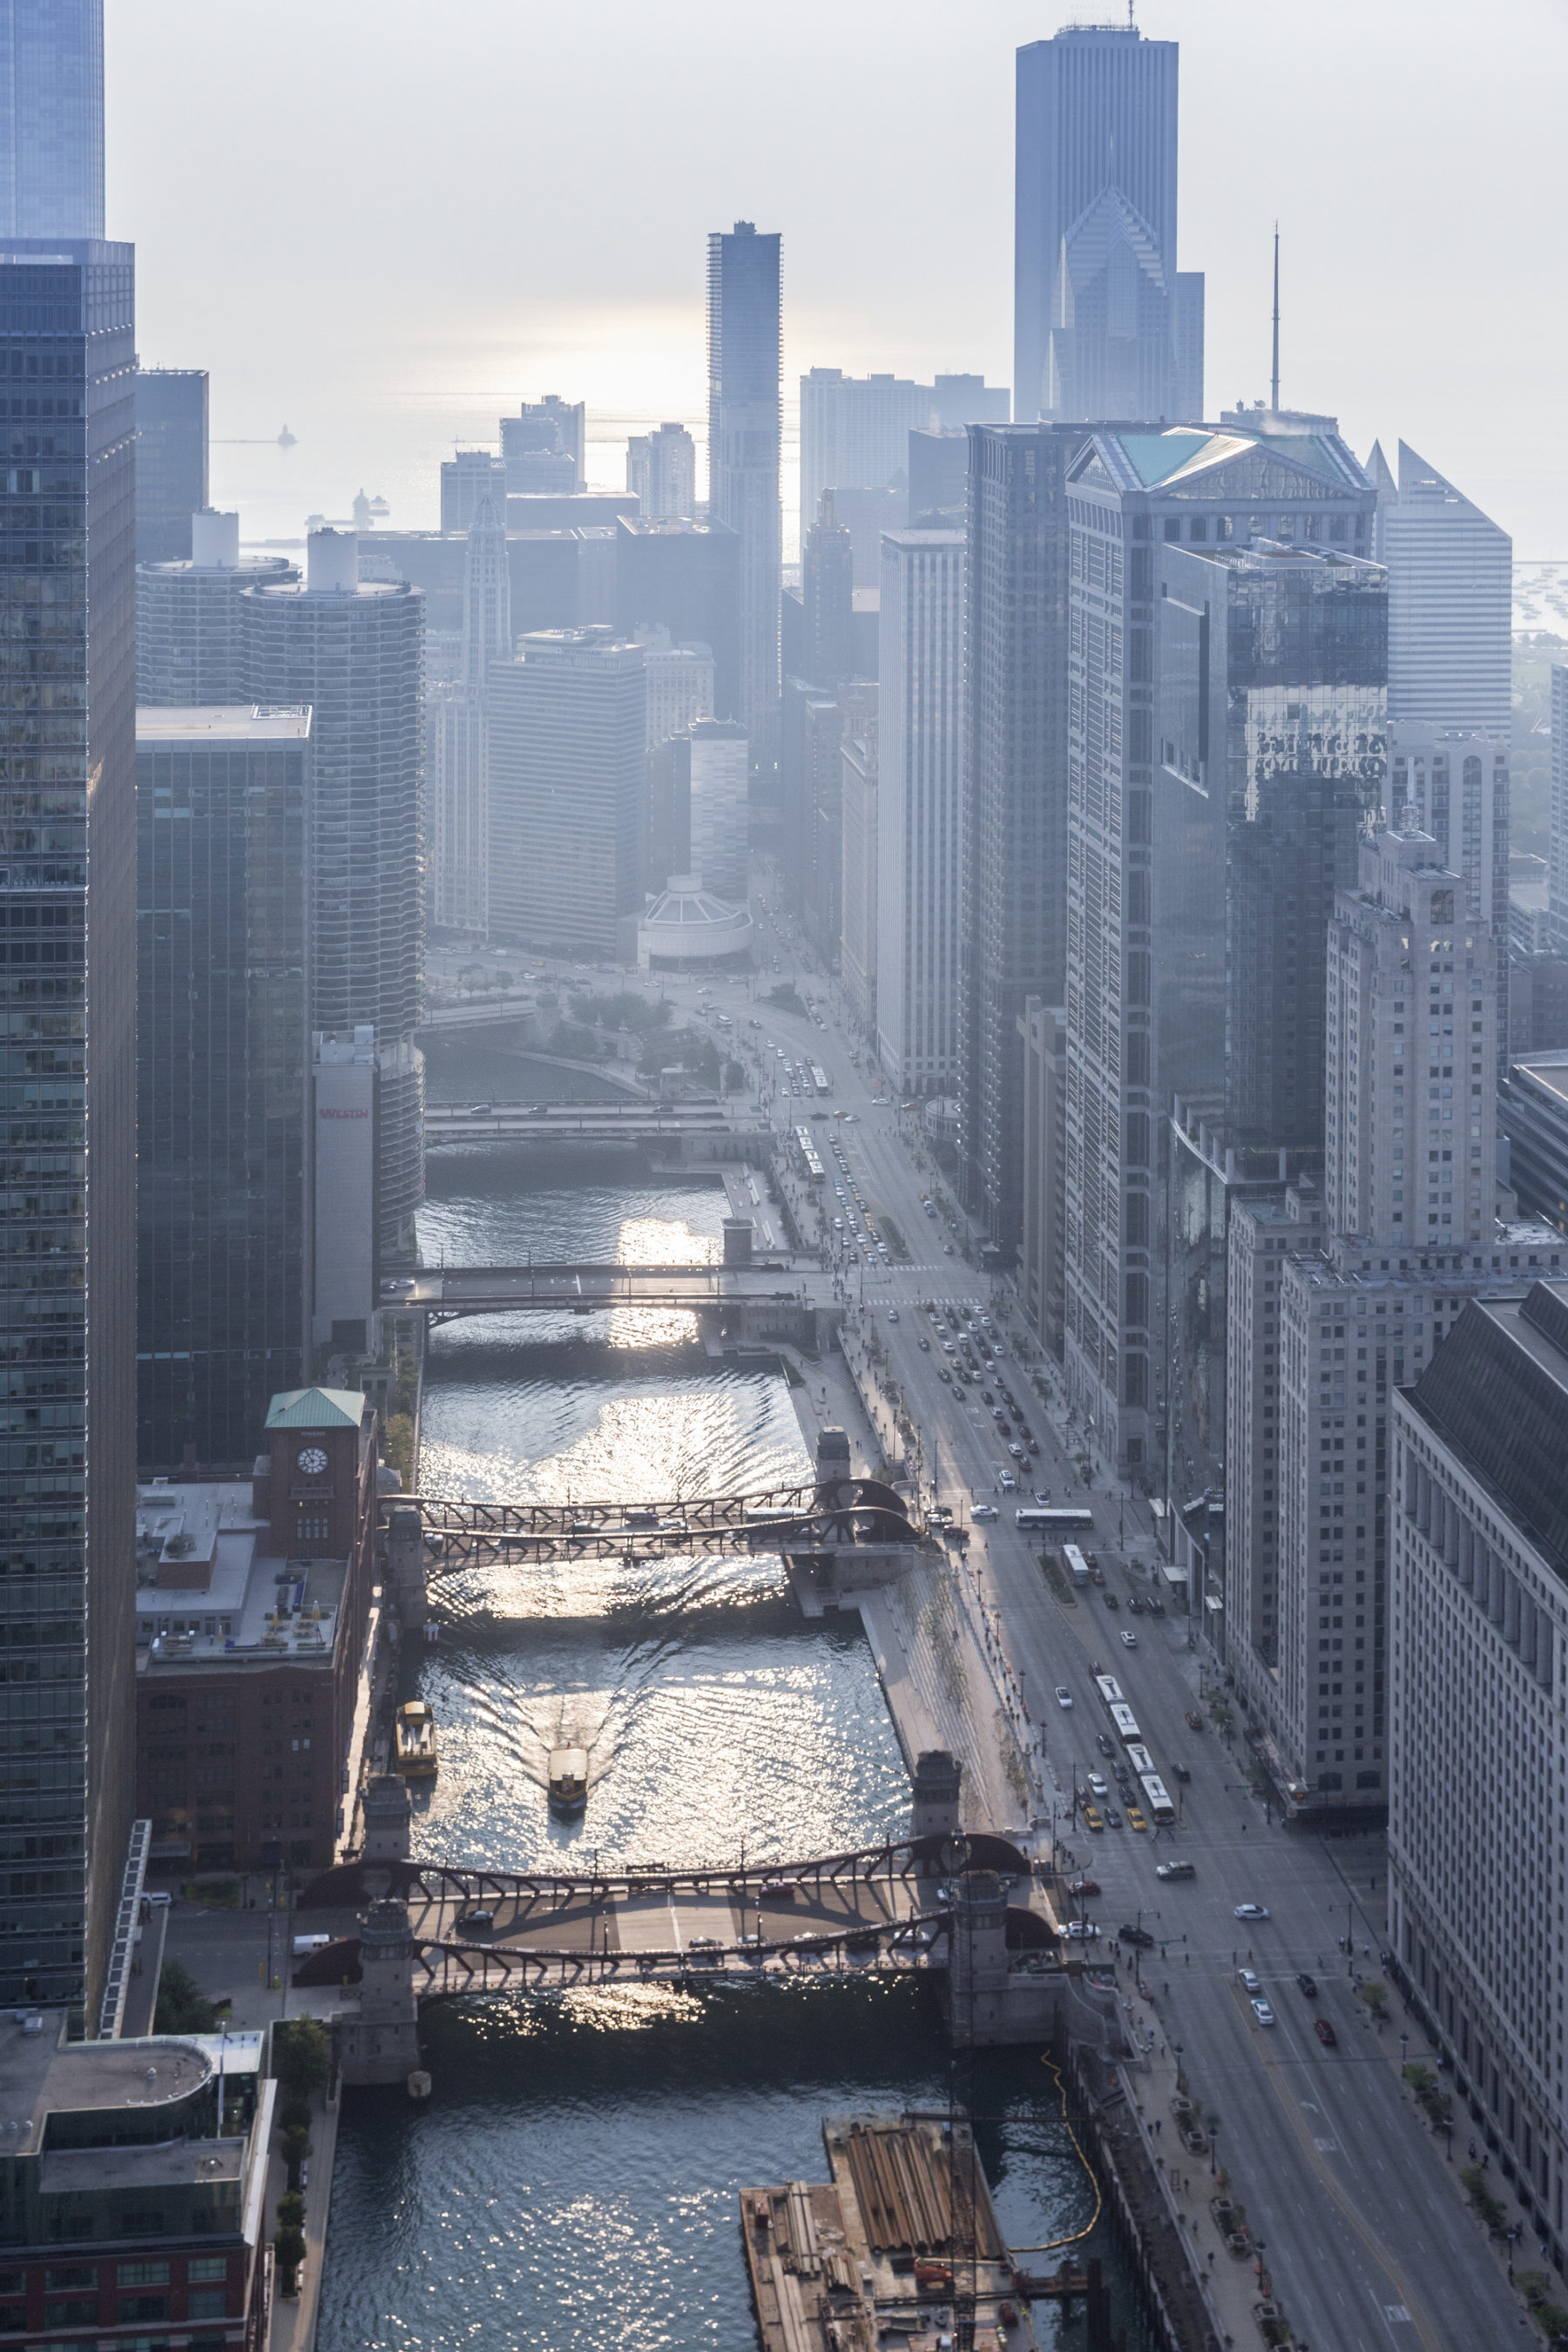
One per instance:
[(1103, 326), (51, 117), (171, 460), (744, 429), (68, 947)]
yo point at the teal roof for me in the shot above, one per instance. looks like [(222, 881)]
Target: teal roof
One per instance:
[(1155, 455), (316, 1409)]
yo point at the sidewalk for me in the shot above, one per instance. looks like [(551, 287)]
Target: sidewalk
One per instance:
[(294, 2320)]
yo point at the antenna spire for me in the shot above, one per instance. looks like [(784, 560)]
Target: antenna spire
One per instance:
[(1274, 401)]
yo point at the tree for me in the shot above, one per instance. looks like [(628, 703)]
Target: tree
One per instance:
[(183, 2007), (302, 2057), (288, 2246), (295, 2148)]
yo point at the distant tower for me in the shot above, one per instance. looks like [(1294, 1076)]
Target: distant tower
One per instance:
[(457, 859), (51, 117), (171, 460), (743, 428), (661, 468), (828, 585)]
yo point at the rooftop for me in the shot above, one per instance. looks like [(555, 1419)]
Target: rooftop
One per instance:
[(1548, 1071), (317, 1409), (42, 2074), (1497, 1393), (250, 722), (207, 1594)]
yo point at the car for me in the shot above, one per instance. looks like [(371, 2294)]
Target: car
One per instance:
[(1064, 1696), (1081, 1930), (1135, 1820), (925, 1347), (476, 1915), (1009, 1484), (1121, 1772), (948, 1349), (1104, 1744), (1136, 1604), (1248, 1981), (1128, 1638), (753, 1939), (1097, 1785), (1308, 1984), (1081, 1886), (1325, 2033), (1262, 2013), (984, 1511), (930, 1211), (479, 1110), (1017, 1451), (1092, 1818), (1252, 1910), (1111, 1599), (401, 1284), (1139, 1936), (779, 1890), (1194, 1722), (1042, 1496), (1112, 1818), (947, 1249), (1182, 1772), (1175, 1869), (892, 1313), (1154, 1605), (944, 1375)]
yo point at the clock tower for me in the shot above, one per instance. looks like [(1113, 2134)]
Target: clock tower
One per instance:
[(321, 1444)]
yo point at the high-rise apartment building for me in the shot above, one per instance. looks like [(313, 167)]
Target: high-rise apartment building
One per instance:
[(1104, 326), (859, 797), (854, 430), (458, 869), (1014, 831), (51, 119), (1327, 1319), (1477, 1786), (171, 460), (1450, 591), (353, 652), (67, 938), (466, 480), (567, 791), (190, 645), (221, 1035), (828, 596), (1226, 743), (919, 819), (745, 331), (661, 468), (544, 446), (684, 577)]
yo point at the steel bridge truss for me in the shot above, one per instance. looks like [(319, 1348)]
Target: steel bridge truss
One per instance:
[(830, 1514)]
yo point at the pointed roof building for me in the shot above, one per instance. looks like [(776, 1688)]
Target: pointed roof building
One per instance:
[(1450, 571)]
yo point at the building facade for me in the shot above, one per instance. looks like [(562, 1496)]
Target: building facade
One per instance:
[(458, 863), (1478, 1795), (859, 800), (854, 430), (1100, 315), (919, 837), (1458, 784), (51, 119), (67, 938), (1041, 1272), (468, 479), (352, 653), (828, 597), (719, 810), (661, 468), (171, 460), (745, 332), (684, 577), (221, 1031), (190, 644), (1450, 582), (545, 448), (567, 791)]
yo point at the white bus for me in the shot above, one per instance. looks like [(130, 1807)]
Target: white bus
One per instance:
[(1140, 1760), (1109, 1689), (819, 1079), (1043, 1519), (1125, 1724), (1076, 1566), (1157, 1798)]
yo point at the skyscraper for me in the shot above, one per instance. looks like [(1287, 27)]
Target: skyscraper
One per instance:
[(1450, 598), (221, 1034), (854, 430), (190, 645), (567, 787), (1015, 830), (458, 793), (920, 813), (661, 468), (1102, 326), (353, 652), (684, 577), (171, 460), (859, 796), (68, 935), (745, 331), (828, 594), (717, 799), (545, 446), (466, 478), (1205, 837), (51, 119), (1478, 1791)]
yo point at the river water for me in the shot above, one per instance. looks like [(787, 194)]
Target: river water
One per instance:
[(573, 2180)]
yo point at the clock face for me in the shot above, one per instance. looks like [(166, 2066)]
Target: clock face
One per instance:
[(312, 1461)]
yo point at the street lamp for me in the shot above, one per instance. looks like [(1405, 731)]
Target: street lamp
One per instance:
[(1213, 2144)]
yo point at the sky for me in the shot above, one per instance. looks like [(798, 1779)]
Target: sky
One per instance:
[(383, 222)]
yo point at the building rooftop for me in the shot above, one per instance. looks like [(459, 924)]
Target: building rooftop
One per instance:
[(317, 1409), (42, 2074), (207, 1594), (1497, 1394), (251, 722), (1548, 1071), (1181, 456), (88, 2171)]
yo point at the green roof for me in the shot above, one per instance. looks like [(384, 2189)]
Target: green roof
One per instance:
[(316, 1409), (1155, 455)]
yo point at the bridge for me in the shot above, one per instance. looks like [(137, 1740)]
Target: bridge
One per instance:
[(827, 1515), (687, 1130), (766, 1300)]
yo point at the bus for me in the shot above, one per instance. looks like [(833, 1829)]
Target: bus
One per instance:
[(1140, 1760), (815, 1171), (1076, 1566), (1125, 1724), (1047, 1520), (1109, 1689), (819, 1079), (1157, 1799)]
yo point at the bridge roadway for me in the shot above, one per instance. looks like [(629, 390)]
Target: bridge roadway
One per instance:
[(441, 1292), (827, 1515), (584, 1122)]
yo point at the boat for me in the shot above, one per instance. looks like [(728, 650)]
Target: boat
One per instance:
[(415, 1738), (569, 1778)]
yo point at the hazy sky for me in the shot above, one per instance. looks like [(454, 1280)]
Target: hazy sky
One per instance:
[(385, 220)]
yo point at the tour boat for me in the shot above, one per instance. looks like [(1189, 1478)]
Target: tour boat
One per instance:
[(415, 1737), (569, 1777)]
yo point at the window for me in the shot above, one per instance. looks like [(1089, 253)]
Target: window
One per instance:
[(208, 2303), (207, 2267), (141, 2274), (72, 2275), (143, 2306)]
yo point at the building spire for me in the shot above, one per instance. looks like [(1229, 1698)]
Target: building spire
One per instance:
[(1274, 400)]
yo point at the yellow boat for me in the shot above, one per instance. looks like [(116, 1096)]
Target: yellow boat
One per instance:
[(415, 1737), (569, 1777)]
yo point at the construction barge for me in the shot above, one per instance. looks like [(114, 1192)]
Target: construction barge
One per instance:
[(878, 2256)]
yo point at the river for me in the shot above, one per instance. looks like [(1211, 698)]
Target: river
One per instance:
[(572, 2182)]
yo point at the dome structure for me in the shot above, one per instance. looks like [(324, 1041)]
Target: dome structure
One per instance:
[(686, 926)]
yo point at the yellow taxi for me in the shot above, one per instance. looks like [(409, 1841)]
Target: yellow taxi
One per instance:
[(1093, 1819), (1135, 1820)]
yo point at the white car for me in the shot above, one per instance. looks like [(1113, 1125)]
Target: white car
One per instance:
[(1262, 2013), (1252, 1910), (984, 1511), (1249, 1983), (1129, 1640), (1081, 1930), (1064, 1696), (1099, 1784)]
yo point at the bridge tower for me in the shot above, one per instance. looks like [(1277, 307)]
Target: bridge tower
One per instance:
[(405, 1563), (977, 1961), (381, 2045), (935, 1809), (388, 1813)]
